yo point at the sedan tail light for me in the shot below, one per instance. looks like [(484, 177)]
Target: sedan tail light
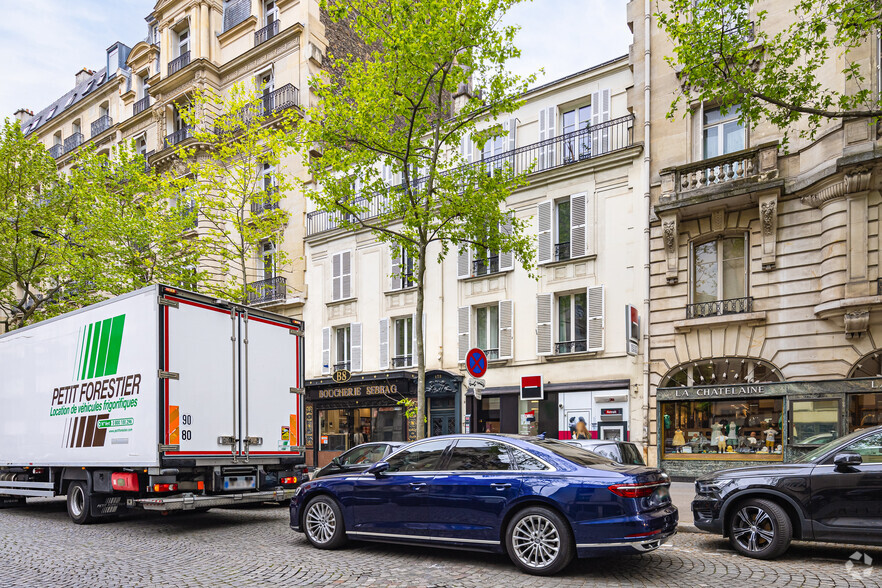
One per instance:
[(636, 490)]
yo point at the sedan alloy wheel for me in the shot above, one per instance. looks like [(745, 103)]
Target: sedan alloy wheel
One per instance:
[(323, 523), (539, 541)]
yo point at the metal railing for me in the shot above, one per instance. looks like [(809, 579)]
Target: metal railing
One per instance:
[(269, 203), (147, 161), (179, 63), (562, 251), (401, 361), (575, 346), (491, 354), (288, 96), (266, 33), (56, 151), (485, 266), (141, 105), (341, 365), (73, 142), (267, 290), (101, 125), (176, 137), (719, 307), (600, 139)]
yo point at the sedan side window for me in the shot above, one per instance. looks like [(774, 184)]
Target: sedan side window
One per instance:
[(354, 456), (374, 455), (479, 455), (525, 461), (424, 457), (869, 448)]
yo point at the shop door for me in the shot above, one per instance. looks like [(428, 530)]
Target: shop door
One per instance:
[(578, 423), (443, 422)]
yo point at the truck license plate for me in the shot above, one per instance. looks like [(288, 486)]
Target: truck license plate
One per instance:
[(240, 483)]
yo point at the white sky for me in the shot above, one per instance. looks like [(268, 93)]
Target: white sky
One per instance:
[(43, 43)]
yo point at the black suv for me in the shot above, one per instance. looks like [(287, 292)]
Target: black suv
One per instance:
[(833, 494)]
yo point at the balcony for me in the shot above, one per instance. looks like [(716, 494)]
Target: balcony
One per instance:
[(266, 33), (262, 205), (101, 125), (562, 251), (73, 142), (288, 96), (486, 266), (402, 361), (576, 346), (141, 105), (492, 354), (177, 137), (567, 149), (147, 161), (179, 63), (341, 365), (269, 290), (719, 307), (56, 151)]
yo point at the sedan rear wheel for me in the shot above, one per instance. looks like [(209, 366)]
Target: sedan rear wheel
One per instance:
[(760, 529), (539, 541), (323, 523)]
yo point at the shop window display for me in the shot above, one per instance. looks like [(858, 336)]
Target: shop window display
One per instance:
[(864, 411), (814, 422), (747, 427), (343, 429)]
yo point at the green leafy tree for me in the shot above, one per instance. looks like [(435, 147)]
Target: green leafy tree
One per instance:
[(238, 181), (389, 113), (729, 50)]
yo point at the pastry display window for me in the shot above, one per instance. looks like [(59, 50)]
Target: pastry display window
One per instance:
[(743, 429)]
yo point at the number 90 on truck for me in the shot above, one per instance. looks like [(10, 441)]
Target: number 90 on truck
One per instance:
[(160, 399)]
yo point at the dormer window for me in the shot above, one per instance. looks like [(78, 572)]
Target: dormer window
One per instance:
[(70, 100), (51, 112)]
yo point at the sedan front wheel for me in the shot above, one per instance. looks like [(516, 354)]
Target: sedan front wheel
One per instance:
[(539, 541), (323, 523)]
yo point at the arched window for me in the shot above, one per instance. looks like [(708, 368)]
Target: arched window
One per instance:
[(721, 371), (869, 366)]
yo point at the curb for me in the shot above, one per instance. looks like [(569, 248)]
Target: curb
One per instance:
[(687, 528)]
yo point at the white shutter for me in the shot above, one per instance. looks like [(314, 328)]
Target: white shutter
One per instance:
[(336, 278), (487, 154), (384, 344), (578, 235), (512, 141), (543, 324), (543, 132), (595, 318), (394, 276), (464, 316), (464, 263), (599, 113), (355, 347), (506, 258), (550, 123), (387, 175), (346, 275), (466, 147), (604, 117), (544, 245), (506, 329), (326, 350)]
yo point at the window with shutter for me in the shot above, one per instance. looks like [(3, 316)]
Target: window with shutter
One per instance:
[(506, 329), (572, 323), (463, 263), (355, 347), (595, 318), (463, 330), (384, 344), (506, 258), (326, 350), (402, 328), (341, 276), (543, 324), (543, 243), (487, 330), (343, 340), (600, 106), (578, 235), (547, 121)]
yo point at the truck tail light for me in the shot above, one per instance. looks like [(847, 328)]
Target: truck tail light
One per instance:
[(200, 485), (635, 490), (125, 481), (165, 487), (289, 480)]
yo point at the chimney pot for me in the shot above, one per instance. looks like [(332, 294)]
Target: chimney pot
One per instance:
[(83, 75)]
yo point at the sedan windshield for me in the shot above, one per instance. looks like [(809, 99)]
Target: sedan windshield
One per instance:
[(814, 455), (570, 452)]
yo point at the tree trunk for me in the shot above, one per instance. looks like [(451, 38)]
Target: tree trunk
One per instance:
[(420, 348)]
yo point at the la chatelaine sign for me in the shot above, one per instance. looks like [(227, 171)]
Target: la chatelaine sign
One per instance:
[(720, 391)]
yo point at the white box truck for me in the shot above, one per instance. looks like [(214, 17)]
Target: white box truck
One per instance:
[(159, 399)]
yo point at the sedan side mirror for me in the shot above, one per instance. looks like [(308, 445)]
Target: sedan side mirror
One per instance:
[(847, 459), (336, 462), (378, 468)]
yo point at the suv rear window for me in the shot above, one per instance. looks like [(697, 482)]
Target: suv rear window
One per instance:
[(571, 453)]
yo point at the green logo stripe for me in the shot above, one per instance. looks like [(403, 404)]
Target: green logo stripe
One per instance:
[(102, 348), (86, 342), (93, 350), (116, 332)]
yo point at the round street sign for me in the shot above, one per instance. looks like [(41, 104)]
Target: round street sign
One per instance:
[(476, 363)]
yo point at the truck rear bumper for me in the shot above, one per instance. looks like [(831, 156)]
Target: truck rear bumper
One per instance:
[(191, 502)]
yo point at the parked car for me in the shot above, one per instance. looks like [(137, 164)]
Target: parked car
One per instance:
[(541, 501), (621, 451), (359, 458), (833, 494)]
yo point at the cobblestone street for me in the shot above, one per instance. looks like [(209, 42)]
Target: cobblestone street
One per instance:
[(255, 547)]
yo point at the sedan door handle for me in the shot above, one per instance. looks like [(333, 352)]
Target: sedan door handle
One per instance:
[(417, 485), (501, 485)]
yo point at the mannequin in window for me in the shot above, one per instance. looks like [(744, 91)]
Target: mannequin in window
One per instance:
[(679, 439), (770, 434), (716, 432)]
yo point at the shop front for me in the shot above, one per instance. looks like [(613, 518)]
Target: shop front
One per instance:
[(367, 407), (586, 410), (707, 428)]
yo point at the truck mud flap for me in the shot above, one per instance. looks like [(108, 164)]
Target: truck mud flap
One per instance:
[(191, 502)]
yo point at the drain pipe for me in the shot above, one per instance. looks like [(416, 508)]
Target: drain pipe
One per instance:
[(647, 29)]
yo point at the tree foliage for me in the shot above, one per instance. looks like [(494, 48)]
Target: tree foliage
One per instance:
[(391, 161), (237, 180), (813, 68)]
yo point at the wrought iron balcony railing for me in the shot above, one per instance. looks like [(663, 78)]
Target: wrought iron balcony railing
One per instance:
[(492, 354), (56, 151), (266, 33), (179, 63), (73, 142), (485, 266), (401, 361), (178, 136), (575, 346), (101, 125), (562, 251), (288, 96), (141, 105), (599, 139), (260, 206), (341, 365), (268, 290), (719, 307)]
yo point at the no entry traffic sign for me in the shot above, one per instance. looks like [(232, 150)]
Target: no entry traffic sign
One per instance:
[(476, 363)]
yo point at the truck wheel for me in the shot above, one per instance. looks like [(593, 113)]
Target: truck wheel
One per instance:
[(79, 503), (760, 528), (323, 523)]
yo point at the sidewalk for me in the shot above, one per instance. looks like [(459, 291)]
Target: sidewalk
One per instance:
[(681, 495)]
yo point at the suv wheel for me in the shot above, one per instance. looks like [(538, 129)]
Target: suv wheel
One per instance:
[(760, 529)]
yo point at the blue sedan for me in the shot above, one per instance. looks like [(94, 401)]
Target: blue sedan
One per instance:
[(539, 500)]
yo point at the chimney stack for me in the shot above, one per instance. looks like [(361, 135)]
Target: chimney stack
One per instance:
[(83, 75), (23, 115)]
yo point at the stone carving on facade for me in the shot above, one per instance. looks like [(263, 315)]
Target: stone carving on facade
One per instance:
[(439, 387), (769, 221), (855, 181), (718, 220), (670, 236), (857, 322)]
